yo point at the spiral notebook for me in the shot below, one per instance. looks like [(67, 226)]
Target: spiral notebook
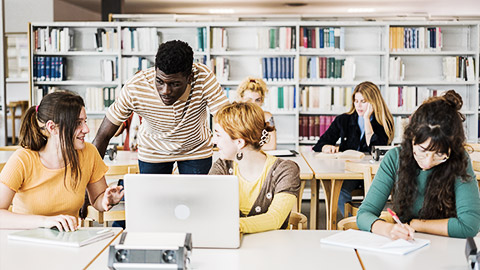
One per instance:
[(374, 242), (78, 238)]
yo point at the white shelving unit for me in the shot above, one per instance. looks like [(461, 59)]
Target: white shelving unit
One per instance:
[(366, 42), (423, 67)]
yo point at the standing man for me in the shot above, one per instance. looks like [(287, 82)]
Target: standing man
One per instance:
[(172, 98)]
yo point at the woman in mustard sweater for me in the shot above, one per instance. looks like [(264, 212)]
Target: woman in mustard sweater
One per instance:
[(434, 186), (46, 179), (268, 185)]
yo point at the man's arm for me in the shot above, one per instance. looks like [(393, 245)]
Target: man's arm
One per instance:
[(105, 133)]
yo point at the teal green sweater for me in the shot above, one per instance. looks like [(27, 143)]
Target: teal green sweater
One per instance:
[(467, 201)]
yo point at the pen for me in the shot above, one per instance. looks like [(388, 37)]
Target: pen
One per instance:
[(394, 216)]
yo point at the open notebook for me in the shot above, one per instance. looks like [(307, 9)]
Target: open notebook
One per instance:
[(374, 242), (347, 154), (78, 238)]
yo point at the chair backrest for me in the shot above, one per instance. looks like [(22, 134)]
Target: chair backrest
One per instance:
[(472, 147), (351, 222), (297, 221), (122, 170), (368, 170), (10, 148)]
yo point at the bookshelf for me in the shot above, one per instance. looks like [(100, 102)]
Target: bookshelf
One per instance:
[(305, 64)]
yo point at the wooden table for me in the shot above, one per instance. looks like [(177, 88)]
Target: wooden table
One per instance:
[(331, 173)]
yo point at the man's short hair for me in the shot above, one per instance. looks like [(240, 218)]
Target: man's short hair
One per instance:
[(173, 57)]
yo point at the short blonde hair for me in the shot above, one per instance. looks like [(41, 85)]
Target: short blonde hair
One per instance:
[(256, 85), (243, 120), (372, 94)]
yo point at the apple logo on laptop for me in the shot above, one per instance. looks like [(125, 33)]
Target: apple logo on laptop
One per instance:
[(182, 212)]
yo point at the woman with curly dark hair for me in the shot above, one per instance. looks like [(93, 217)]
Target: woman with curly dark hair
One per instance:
[(431, 176)]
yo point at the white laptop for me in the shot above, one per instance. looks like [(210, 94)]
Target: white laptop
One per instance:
[(205, 205)]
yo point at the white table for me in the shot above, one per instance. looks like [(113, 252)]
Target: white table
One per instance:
[(280, 249), (442, 253), (27, 255)]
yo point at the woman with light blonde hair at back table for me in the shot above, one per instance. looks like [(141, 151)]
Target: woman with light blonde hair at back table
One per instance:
[(254, 90)]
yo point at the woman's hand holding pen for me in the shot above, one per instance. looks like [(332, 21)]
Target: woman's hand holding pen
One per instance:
[(400, 230)]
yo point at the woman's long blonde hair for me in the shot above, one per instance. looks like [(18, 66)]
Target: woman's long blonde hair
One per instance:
[(372, 95)]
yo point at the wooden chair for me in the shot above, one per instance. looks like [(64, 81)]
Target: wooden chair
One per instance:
[(10, 148), (351, 222), (118, 211), (12, 107), (368, 172), (297, 221)]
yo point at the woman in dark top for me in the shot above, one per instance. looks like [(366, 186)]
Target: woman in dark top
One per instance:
[(368, 123)]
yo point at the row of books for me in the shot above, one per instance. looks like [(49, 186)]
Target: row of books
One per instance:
[(98, 99), (324, 98), (396, 69), (106, 40), (220, 67), (140, 39), (53, 39), (109, 69), (329, 38), (278, 98), (408, 98), (314, 68), (42, 90), (93, 124), (219, 39), (458, 68), (312, 127), (131, 65), (278, 68), (277, 38), (49, 68), (399, 124), (415, 38), (202, 39)]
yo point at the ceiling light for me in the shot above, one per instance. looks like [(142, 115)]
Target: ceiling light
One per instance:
[(221, 11), (360, 10)]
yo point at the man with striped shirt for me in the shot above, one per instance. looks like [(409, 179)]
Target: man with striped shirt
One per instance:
[(172, 98)]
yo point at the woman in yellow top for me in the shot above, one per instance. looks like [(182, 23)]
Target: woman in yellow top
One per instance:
[(254, 90), (47, 177), (268, 185)]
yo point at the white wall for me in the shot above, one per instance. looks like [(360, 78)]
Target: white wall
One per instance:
[(63, 12), (18, 13)]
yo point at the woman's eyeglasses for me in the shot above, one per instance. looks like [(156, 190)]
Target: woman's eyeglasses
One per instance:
[(421, 154)]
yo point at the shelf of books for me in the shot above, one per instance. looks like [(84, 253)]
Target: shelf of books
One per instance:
[(311, 67), (429, 58)]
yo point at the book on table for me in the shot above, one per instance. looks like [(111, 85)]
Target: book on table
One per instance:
[(373, 242), (78, 238), (347, 154)]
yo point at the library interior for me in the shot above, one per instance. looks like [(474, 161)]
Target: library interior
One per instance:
[(180, 134)]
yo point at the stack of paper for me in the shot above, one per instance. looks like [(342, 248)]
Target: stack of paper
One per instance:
[(374, 242)]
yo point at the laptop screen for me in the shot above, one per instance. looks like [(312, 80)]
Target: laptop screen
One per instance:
[(205, 205)]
